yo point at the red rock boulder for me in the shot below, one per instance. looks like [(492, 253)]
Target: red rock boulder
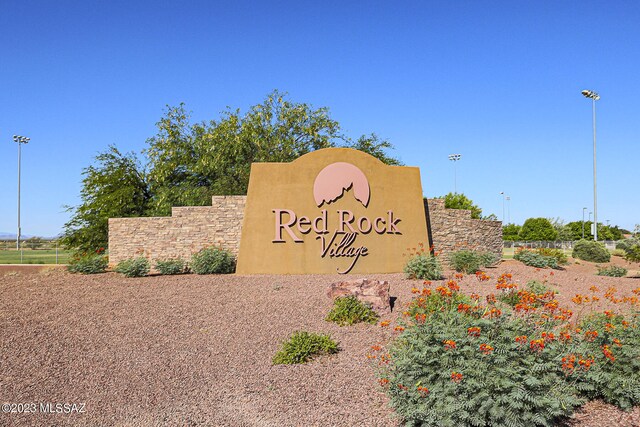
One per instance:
[(373, 292)]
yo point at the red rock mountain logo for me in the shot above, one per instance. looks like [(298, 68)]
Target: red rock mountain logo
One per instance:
[(335, 179)]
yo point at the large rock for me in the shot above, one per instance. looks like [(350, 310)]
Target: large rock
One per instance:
[(374, 292)]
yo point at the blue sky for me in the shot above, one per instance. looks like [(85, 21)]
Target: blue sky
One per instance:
[(498, 82)]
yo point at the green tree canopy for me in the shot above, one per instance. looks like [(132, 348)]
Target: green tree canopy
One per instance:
[(460, 201), (114, 187), (510, 232), (535, 229), (188, 163)]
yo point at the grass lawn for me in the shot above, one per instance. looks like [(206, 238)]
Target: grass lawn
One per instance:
[(44, 256)]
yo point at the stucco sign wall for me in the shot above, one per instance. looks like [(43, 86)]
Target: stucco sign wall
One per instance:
[(332, 210)]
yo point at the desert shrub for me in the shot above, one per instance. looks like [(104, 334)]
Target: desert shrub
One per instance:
[(618, 252), (213, 261), (558, 254), (172, 266), (534, 259), (470, 364), (612, 271), (350, 310), (468, 261), (633, 254), (535, 293), (133, 267), (588, 250), (626, 244), (302, 346), (423, 267), (88, 264)]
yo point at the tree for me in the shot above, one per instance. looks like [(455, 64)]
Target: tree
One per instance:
[(510, 232), (114, 187), (538, 229), (188, 163), (605, 232), (34, 243), (460, 201)]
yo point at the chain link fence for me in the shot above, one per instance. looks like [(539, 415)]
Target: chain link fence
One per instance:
[(510, 247), (33, 251)]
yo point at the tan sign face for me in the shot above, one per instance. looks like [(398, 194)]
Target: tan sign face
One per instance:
[(335, 210)]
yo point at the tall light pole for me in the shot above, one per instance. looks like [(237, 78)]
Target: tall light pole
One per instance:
[(509, 209), (590, 213), (503, 199), (454, 158), (583, 210), (20, 140), (594, 97)]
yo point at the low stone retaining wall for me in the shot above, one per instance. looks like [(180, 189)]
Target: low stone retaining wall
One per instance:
[(192, 228)]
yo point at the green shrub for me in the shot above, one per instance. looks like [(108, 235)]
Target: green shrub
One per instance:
[(350, 310), (536, 229), (633, 254), (133, 267), (626, 244), (588, 250), (534, 259), (172, 266), (460, 364), (302, 346), (612, 271), (213, 261), (423, 267), (618, 252), (469, 262), (558, 254), (88, 264)]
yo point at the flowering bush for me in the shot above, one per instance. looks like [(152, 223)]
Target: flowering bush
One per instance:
[(302, 346), (133, 267), (88, 263), (471, 361), (350, 310)]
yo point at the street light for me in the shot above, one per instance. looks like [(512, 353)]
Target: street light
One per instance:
[(594, 97), (509, 209), (583, 209), (454, 158), (20, 140), (503, 199)]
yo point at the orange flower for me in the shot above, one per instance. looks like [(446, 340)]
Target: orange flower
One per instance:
[(456, 377), (398, 329), (453, 285), (486, 348), (463, 308), (423, 391), (385, 323), (608, 353), (376, 348), (473, 331), (449, 344), (537, 345), (421, 318), (415, 290), (383, 381), (617, 342), (521, 339), (591, 335)]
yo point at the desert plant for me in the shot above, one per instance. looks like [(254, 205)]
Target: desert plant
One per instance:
[(133, 267), (350, 310), (612, 271), (558, 254), (213, 261), (423, 267), (88, 263), (618, 252), (534, 259), (468, 261), (588, 250), (302, 346), (172, 266), (468, 364), (633, 254), (538, 229)]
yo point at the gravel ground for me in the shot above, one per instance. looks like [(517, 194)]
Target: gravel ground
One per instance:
[(196, 350)]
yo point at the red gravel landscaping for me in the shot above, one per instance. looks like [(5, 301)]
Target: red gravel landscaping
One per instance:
[(196, 350)]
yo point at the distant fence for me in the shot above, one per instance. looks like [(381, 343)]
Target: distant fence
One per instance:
[(33, 251), (609, 244)]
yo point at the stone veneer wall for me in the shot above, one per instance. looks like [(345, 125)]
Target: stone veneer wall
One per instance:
[(184, 233), (192, 228), (454, 229)]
